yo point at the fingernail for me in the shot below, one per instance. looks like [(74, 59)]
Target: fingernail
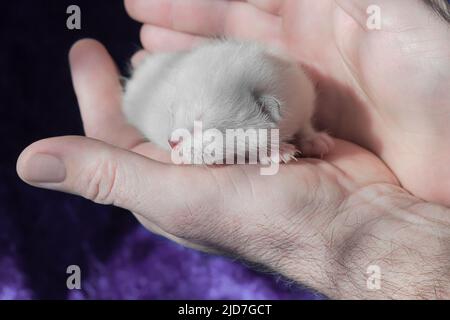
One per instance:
[(42, 168)]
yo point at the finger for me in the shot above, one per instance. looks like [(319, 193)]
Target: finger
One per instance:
[(99, 93), (110, 175), (138, 57), (156, 39), (208, 18), (270, 6)]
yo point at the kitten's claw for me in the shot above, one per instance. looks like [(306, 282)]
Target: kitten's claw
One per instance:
[(285, 154), (288, 152)]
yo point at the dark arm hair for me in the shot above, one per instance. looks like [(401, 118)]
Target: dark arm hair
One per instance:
[(442, 7)]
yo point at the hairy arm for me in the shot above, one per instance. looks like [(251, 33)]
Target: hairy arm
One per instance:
[(383, 229)]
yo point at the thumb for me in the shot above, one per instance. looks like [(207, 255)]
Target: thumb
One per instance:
[(109, 175)]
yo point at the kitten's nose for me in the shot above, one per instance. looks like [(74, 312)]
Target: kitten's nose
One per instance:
[(174, 143)]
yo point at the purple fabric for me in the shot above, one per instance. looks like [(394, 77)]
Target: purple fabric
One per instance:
[(43, 232)]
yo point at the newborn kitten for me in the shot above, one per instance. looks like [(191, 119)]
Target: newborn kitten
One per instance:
[(225, 84)]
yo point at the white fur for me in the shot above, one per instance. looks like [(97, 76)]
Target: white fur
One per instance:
[(216, 83)]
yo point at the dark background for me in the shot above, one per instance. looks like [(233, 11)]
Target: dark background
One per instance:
[(42, 232)]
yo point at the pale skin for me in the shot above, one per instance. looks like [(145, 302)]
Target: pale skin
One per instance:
[(320, 222)]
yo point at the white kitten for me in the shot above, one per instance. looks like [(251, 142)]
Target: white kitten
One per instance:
[(225, 85)]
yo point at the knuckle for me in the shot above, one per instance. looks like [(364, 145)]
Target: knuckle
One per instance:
[(99, 181)]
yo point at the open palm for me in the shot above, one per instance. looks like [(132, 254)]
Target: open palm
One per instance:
[(386, 90)]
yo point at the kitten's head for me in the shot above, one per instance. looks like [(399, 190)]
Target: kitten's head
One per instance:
[(237, 116)]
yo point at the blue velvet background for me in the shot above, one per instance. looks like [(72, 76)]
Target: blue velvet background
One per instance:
[(42, 232)]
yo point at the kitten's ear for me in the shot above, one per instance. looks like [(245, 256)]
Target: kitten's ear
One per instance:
[(271, 106)]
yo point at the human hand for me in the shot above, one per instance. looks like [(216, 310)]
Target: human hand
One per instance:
[(386, 90), (318, 222)]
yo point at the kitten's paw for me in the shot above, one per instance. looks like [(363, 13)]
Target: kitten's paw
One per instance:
[(288, 152), (317, 145)]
